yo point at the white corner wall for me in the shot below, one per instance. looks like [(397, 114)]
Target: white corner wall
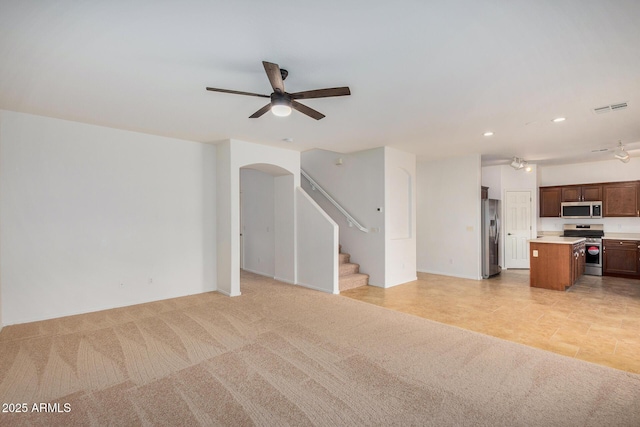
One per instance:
[(94, 218), (1, 318), (317, 245), (584, 173), (231, 156), (448, 223), (400, 217)]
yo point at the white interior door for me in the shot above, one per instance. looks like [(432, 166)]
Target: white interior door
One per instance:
[(517, 228)]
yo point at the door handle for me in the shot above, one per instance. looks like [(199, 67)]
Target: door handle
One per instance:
[(509, 234)]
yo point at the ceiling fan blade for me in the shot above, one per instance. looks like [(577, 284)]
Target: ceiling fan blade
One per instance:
[(261, 111), (275, 77), (237, 92), (322, 93), (306, 110)]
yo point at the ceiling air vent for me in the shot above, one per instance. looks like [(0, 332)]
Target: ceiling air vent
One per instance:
[(612, 107)]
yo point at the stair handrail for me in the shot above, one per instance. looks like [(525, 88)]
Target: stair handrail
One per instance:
[(350, 220)]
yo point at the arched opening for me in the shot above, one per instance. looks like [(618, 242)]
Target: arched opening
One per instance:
[(284, 167)]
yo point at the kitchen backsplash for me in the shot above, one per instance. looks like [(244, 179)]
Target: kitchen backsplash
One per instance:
[(611, 225)]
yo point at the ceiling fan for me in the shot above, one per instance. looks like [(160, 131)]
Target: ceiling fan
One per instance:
[(282, 102)]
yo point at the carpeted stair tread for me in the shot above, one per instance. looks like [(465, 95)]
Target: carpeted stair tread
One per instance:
[(349, 268), (351, 281), (349, 273)]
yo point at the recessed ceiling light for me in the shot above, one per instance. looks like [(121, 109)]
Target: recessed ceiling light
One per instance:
[(559, 119), (488, 134)]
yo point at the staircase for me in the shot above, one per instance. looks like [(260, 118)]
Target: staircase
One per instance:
[(350, 276)]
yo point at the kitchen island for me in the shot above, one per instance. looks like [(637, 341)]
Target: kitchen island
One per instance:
[(556, 262)]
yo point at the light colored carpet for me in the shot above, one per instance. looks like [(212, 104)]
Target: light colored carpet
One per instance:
[(283, 355)]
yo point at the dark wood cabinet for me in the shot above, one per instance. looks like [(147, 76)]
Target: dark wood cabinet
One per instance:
[(582, 193), (620, 199), (555, 266), (484, 193), (550, 199), (579, 260), (620, 258)]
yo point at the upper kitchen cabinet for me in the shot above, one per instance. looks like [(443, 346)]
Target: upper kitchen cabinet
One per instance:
[(582, 193), (620, 199), (550, 199), (484, 193)]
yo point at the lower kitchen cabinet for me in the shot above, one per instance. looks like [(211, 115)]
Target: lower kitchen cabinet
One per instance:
[(556, 266), (621, 258), (579, 262)]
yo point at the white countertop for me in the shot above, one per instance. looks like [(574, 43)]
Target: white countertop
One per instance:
[(621, 236), (607, 235), (558, 240)]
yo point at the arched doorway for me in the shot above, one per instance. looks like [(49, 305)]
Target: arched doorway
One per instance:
[(284, 166)]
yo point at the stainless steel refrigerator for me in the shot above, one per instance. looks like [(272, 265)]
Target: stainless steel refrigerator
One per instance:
[(490, 237)]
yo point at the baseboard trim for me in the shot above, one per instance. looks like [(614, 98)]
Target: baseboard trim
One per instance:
[(281, 279), (259, 273), (315, 288), (440, 273)]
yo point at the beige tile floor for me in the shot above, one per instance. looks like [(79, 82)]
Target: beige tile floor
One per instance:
[(597, 319)]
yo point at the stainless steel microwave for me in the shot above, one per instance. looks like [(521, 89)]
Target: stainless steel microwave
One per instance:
[(581, 210)]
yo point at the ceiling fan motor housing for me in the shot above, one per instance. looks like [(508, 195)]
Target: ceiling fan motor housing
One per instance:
[(280, 99)]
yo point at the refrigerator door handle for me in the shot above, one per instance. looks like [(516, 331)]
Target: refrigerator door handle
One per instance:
[(497, 229)]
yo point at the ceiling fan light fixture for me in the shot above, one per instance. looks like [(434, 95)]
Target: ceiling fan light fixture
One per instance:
[(281, 110), (280, 105), (621, 154), (517, 163)]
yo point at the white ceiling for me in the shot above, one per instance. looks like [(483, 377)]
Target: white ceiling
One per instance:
[(425, 76)]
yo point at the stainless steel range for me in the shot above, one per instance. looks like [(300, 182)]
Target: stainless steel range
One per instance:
[(593, 233)]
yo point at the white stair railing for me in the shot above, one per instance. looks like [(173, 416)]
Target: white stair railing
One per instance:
[(350, 220)]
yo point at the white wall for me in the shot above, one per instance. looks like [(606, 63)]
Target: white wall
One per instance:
[(317, 245), (93, 218), (492, 178), (584, 173), (285, 265), (448, 223), (258, 219), (231, 156), (1, 321), (358, 185), (400, 217)]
